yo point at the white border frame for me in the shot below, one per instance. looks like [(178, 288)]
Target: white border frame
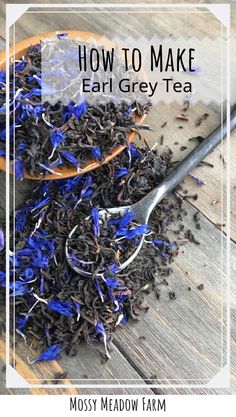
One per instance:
[(222, 13)]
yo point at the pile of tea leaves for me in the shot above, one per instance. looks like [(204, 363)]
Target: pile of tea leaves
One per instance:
[(56, 309), (101, 244), (46, 136)]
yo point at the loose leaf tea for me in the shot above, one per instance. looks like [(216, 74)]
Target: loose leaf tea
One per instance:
[(56, 307), (100, 245), (47, 135)]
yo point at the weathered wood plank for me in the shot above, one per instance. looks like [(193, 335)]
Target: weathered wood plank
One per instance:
[(28, 23), (3, 389), (116, 371), (20, 193), (211, 196), (24, 369), (183, 337), (2, 44), (83, 369)]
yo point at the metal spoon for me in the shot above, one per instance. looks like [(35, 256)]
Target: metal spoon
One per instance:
[(145, 206)]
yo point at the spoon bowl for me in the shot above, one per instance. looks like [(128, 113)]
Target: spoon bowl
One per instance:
[(142, 212)]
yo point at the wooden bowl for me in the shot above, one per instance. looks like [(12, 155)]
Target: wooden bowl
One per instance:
[(17, 52)]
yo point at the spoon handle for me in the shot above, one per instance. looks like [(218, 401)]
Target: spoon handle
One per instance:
[(188, 163)]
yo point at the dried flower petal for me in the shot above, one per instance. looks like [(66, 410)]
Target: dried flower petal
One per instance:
[(19, 169), (133, 233), (96, 153), (121, 172), (21, 322), (99, 328), (1, 240), (52, 353), (96, 225), (71, 158), (198, 180), (61, 307)]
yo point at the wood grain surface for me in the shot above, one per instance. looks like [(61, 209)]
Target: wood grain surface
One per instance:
[(182, 341)]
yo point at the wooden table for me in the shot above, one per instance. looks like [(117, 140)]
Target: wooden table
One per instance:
[(183, 341)]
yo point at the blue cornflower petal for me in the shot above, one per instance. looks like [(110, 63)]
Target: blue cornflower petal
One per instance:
[(88, 193), (56, 138), (2, 76), (121, 172), (21, 147), (34, 92), (131, 234), (123, 221), (19, 169), (61, 307), (128, 112), (41, 203), (123, 321), (28, 109), (28, 273), (100, 329), (40, 261), (21, 216), (25, 252), (42, 289), (135, 154), (70, 184), (37, 78), (21, 322), (38, 110), (46, 187), (112, 283), (88, 182), (1, 240), (18, 288), (198, 180), (62, 35), (3, 134), (79, 109), (52, 353), (122, 297), (96, 153), (96, 225), (115, 302), (20, 65), (126, 219), (71, 158), (97, 285), (2, 276), (114, 268)]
